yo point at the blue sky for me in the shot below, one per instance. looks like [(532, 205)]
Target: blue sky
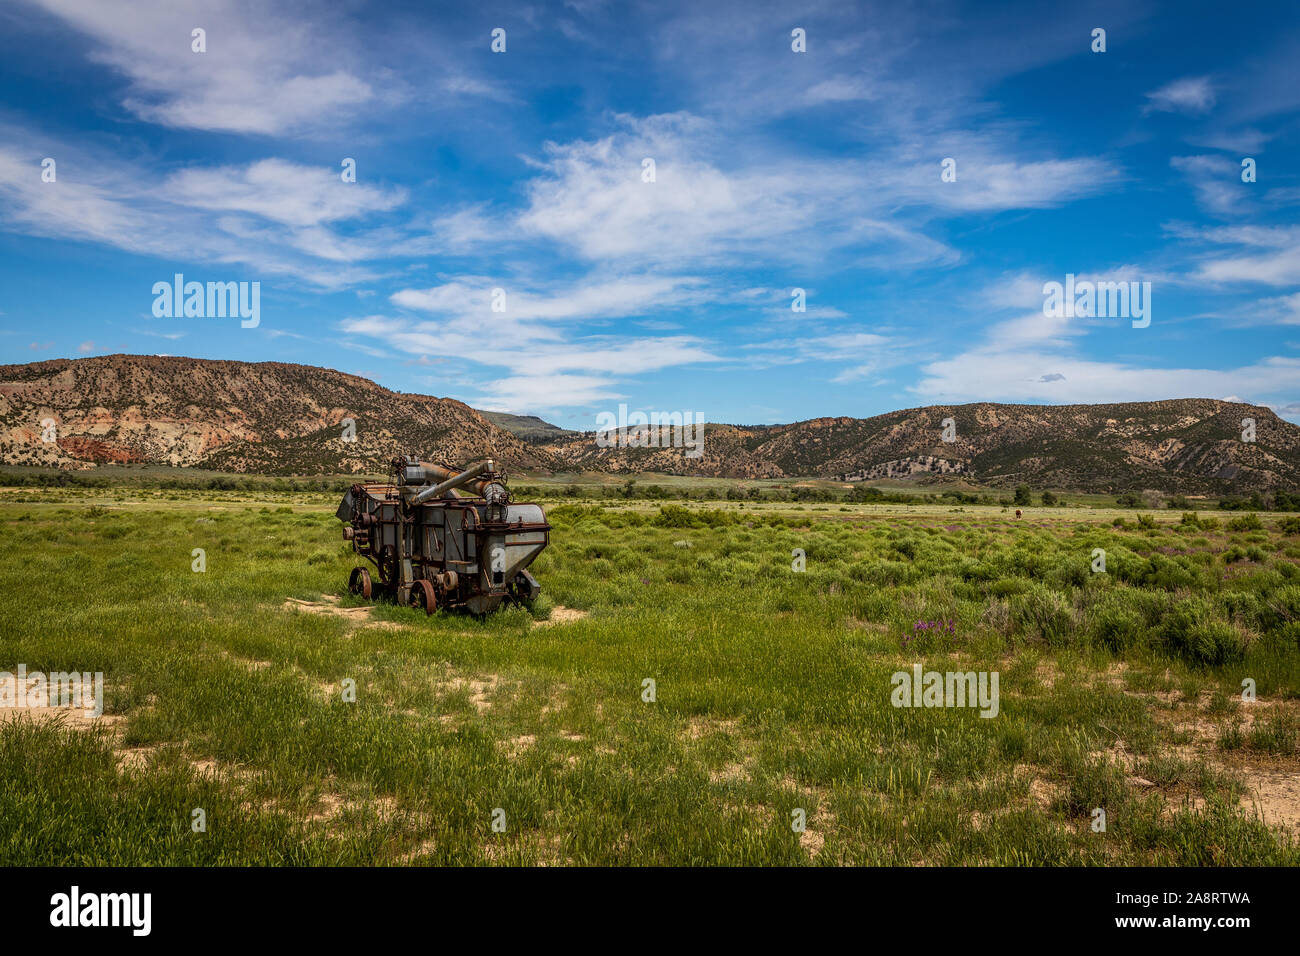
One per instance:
[(774, 170)]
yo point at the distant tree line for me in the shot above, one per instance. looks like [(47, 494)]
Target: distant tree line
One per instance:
[(1257, 501), (1023, 496), (92, 479)]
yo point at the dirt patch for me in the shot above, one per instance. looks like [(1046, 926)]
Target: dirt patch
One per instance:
[(738, 770), (383, 626), (548, 848), (1275, 794), (410, 856), (811, 841), (479, 690), (329, 606), (129, 759), (562, 615), (136, 758), (1042, 792), (516, 746), (332, 805), (250, 663), (1272, 784), (731, 773), (1047, 672), (39, 700), (700, 727), (1118, 753), (1115, 676), (328, 807)]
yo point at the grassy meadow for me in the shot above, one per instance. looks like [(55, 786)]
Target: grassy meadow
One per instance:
[(227, 690)]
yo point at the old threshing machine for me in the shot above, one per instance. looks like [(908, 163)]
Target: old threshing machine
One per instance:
[(434, 548)]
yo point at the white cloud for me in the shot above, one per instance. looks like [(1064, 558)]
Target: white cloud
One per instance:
[(542, 392), (1241, 140), (1030, 375), (273, 217), (1191, 94), (842, 89), (868, 353), (1216, 181), (1274, 258), (1024, 290), (708, 205), (264, 70), (1278, 269), (283, 192), (551, 363), (986, 184), (1036, 358), (469, 299), (1280, 310)]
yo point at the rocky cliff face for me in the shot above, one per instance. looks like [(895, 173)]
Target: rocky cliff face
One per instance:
[(1181, 445), (235, 416), (289, 419)]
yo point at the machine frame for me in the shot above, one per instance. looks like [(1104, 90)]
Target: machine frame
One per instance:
[(432, 547)]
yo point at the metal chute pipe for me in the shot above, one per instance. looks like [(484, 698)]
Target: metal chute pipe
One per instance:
[(452, 480)]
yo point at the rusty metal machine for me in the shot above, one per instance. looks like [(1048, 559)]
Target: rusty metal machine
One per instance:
[(432, 547)]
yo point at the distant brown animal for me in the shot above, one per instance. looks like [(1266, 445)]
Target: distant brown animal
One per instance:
[(1017, 512)]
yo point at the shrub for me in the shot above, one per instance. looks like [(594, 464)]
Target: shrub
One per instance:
[(1285, 604), (1289, 635), (1043, 612), (1246, 608), (1168, 575), (1116, 626), (676, 516), (1248, 522), (1191, 629)]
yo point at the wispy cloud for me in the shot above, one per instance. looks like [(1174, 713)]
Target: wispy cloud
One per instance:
[(1029, 375), (704, 206), (1264, 255), (263, 70), (1191, 94), (271, 215), (578, 371), (1217, 183)]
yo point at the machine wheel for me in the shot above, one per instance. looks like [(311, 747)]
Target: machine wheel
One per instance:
[(359, 583), (422, 596)]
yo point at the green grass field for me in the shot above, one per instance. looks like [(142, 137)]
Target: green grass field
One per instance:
[(225, 690)]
